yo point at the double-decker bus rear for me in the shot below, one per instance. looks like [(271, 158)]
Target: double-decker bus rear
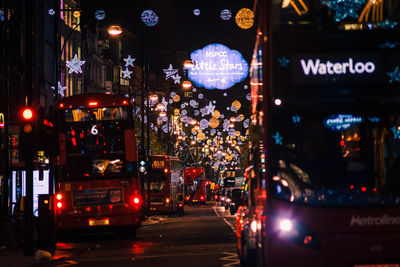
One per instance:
[(195, 185), (324, 187), (96, 176), (164, 183)]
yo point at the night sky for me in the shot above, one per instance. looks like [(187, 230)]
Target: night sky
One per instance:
[(179, 32)]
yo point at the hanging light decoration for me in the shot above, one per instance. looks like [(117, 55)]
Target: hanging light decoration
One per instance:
[(162, 114), (160, 106), (114, 30), (187, 84)]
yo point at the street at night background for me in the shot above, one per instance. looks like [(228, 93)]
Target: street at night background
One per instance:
[(199, 133)]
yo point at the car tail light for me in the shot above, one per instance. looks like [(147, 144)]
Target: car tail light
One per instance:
[(167, 200), (201, 198), (187, 198), (180, 205)]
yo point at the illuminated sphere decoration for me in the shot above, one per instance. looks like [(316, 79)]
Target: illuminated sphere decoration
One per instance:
[(245, 18), (196, 12), (149, 17), (226, 14), (100, 14)]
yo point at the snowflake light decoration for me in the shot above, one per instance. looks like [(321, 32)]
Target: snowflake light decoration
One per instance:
[(127, 73), (387, 45), (149, 17), (226, 14), (394, 76), (387, 24), (129, 61), (345, 8), (169, 72), (75, 65), (100, 14)]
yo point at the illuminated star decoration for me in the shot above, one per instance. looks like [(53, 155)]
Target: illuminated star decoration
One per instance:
[(278, 138), (394, 76), (283, 62), (60, 89), (127, 73), (176, 78), (129, 61), (296, 119), (345, 8), (396, 132), (165, 103), (210, 108), (169, 72), (75, 65)]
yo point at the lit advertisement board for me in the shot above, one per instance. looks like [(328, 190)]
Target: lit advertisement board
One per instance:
[(217, 67)]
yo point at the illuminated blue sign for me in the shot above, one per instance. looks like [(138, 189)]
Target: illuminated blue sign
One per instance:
[(341, 121), (217, 67)]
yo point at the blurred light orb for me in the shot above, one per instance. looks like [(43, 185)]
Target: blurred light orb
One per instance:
[(225, 94), (51, 13), (100, 14), (149, 17), (200, 96), (226, 14), (245, 18), (196, 12)]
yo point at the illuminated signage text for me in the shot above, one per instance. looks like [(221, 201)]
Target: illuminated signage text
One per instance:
[(316, 67), (217, 67)]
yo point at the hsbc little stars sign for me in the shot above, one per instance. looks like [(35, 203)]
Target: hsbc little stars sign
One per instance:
[(217, 67)]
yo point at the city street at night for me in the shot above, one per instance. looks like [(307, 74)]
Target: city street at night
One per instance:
[(200, 133)]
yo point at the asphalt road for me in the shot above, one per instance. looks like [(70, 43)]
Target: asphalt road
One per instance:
[(204, 236)]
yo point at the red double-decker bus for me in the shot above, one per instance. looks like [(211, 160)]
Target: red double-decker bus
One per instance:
[(96, 174), (195, 185), (324, 187), (164, 181)]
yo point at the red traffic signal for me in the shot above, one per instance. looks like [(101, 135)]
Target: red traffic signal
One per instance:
[(27, 117), (27, 114)]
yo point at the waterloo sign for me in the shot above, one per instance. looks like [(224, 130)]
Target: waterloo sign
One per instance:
[(217, 67)]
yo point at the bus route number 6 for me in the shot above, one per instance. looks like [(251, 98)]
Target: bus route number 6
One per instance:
[(94, 130)]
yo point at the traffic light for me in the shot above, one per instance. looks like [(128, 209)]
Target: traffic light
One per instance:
[(27, 118), (142, 165)]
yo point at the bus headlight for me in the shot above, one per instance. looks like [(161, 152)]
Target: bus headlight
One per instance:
[(285, 225)]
